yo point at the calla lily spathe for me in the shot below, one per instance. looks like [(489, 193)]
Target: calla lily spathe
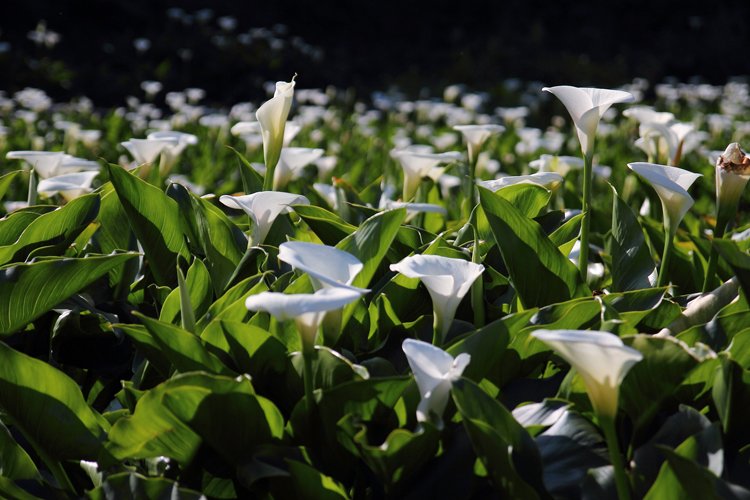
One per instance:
[(417, 165), (586, 107), (548, 180), (172, 152), (600, 358), (476, 135), (263, 207), (146, 151), (69, 186), (434, 371), (48, 164), (732, 174), (306, 309), (446, 279), (327, 266), (272, 116), (291, 163), (671, 184)]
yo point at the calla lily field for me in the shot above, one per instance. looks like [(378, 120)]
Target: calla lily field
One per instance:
[(542, 294)]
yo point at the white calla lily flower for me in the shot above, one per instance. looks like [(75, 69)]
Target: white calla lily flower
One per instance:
[(291, 163), (272, 116), (417, 165), (69, 186), (476, 135), (263, 207), (446, 279), (48, 164), (732, 174), (548, 180), (434, 371), (671, 184), (327, 266), (586, 107), (600, 358), (291, 129), (146, 151), (172, 152), (306, 309)]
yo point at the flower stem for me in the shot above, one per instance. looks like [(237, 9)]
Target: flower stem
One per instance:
[(307, 357), (613, 446), (471, 189), (713, 259), (666, 255), (583, 256), (477, 288)]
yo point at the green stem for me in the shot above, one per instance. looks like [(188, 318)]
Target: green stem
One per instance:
[(477, 288), (615, 456), (666, 255), (307, 357), (713, 258), (471, 193), (583, 256)]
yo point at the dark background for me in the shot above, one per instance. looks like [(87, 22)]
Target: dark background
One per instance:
[(367, 45)]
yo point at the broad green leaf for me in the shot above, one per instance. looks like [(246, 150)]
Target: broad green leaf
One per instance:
[(201, 294), (529, 199), (330, 368), (183, 349), (134, 485), (114, 235), (327, 226), (738, 260), (731, 397), (540, 274), (564, 237), (308, 483), (631, 260), (13, 225), (47, 407), (486, 347), (653, 381), (29, 290), (505, 448), (155, 220), (7, 179), (252, 181), (231, 300), (58, 228), (15, 463)]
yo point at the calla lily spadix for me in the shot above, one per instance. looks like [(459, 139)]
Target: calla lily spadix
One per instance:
[(586, 107), (671, 184), (326, 266), (418, 165), (69, 186), (263, 207), (447, 280), (272, 116), (434, 371)]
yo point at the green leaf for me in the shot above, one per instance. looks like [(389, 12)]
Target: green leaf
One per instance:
[(631, 259), (198, 282), (738, 260), (47, 407), (183, 349), (327, 226), (310, 484), (252, 181), (134, 485), (29, 290), (7, 179), (505, 448), (529, 199), (15, 463), (540, 274), (58, 228), (155, 220)]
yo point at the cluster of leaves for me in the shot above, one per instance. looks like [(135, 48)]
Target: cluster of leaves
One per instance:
[(131, 367)]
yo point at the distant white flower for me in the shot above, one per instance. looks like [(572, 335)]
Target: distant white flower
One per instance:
[(69, 186), (476, 135), (417, 165), (548, 180), (291, 163), (434, 371), (600, 358)]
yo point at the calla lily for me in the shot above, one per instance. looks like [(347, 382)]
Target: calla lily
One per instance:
[(327, 266), (291, 163), (272, 117), (69, 186), (51, 164), (412, 209), (732, 174), (446, 279), (586, 107), (146, 151), (671, 184), (558, 164), (263, 207), (600, 358), (172, 152), (548, 180), (476, 135), (434, 371), (647, 114), (291, 129), (417, 165)]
